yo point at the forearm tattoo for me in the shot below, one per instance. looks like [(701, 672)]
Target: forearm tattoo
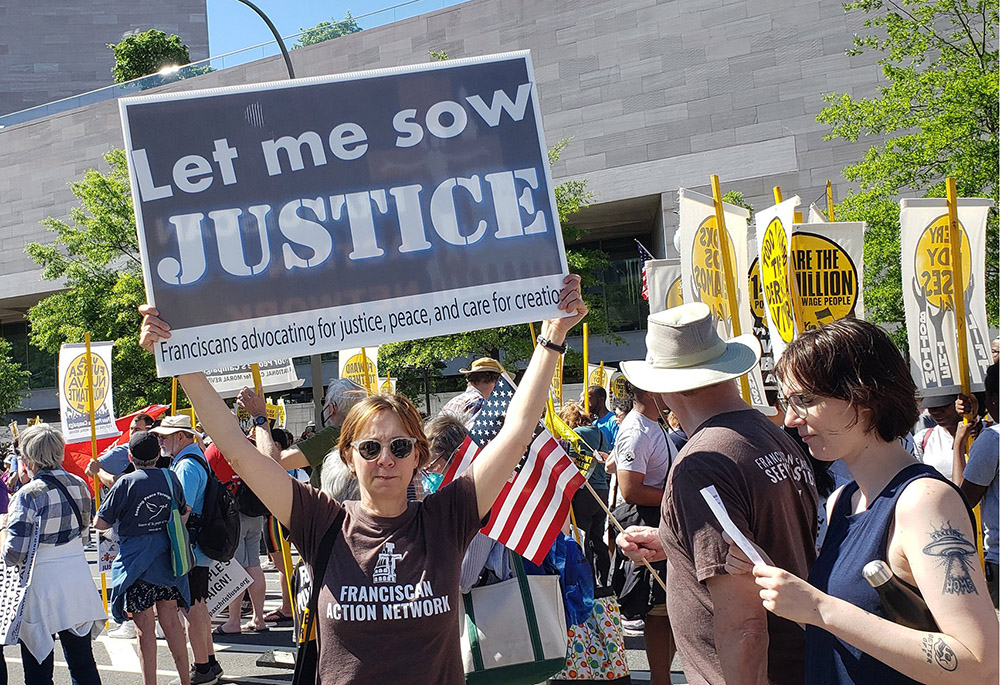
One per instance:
[(956, 554), (936, 650)]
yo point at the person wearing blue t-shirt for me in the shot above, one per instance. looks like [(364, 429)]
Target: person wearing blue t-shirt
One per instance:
[(177, 439), (142, 576), (112, 464), (604, 420)]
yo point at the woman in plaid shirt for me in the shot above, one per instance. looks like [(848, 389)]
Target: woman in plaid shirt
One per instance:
[(54, 509)]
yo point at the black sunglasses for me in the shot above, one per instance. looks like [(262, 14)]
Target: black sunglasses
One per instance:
[(370, 448)]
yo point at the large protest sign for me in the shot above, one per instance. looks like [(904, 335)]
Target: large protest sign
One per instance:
[(704, 279), (774, 235), (828, 263), (298, 217), (361, 367), (14, 581), (665, 284), (929, 291), (275, 375), (74, 395)]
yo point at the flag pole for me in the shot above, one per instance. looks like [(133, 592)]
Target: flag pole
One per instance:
[(955, 245), (611, 517), (93, 451), (727, 273), (586, 369), (829, 201)]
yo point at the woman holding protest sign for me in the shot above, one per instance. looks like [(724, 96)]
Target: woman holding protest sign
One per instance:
[(850, 395), (392, 576)]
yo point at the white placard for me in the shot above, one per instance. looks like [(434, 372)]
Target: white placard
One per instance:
[(74, 396), (107, 550), (714, 502), (275, 376), (226, 581), (14, 581)]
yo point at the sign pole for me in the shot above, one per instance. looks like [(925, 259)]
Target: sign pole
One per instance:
[(586, 369), (364, 364), (727, 273), (829, 201), (793, 289), (93, 451), (958, 300), (173, 395)]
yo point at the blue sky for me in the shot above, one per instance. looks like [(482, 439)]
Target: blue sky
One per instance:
[(232, 25)]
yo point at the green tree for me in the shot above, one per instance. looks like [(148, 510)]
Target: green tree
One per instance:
[(97, 257), (408, 361), (13, 379), (142, 54), (327, 30), (937, 114)]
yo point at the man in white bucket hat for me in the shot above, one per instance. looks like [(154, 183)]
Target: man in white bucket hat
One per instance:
[(765, 483)]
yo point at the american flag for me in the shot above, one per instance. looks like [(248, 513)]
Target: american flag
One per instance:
[(644, 255), (534, 503)]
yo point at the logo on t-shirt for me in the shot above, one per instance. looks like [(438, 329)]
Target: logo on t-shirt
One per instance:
[(385, 567), (628, 457)]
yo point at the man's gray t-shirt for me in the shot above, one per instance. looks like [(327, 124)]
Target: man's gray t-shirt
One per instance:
[(984, 457)]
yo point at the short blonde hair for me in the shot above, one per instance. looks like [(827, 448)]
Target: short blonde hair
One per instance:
[(43, 446), (404, 410), (574, 415)]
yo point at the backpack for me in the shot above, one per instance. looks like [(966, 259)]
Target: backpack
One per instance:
[(217, 529), (247, 501)]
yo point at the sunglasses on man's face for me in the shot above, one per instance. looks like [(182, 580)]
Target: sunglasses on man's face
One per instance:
[(370, 448)]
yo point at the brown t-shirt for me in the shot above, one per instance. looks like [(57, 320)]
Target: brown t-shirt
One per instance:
[(388, 609), (769, 490)]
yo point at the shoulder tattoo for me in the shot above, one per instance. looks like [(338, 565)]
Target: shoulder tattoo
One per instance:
[(956, 554)]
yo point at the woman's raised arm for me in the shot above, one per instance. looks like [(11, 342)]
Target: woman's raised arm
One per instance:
[(493, 467), (271, 484)]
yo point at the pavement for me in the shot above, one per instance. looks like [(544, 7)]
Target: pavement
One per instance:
[(118, 661)]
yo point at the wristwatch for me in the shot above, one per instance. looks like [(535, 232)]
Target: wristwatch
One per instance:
[(555, 347), (259, 420)]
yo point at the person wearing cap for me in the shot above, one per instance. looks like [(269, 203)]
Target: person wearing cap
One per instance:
[(179, 440), (481, 376), (933, 445), (142, 577), (723, 634), (112, 464)]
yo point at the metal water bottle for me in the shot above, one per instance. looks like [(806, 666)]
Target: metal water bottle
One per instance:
[(900, 604)]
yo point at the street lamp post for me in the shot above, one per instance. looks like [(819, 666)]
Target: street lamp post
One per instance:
[(274, 32)]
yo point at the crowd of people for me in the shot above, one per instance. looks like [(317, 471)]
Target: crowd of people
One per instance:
[(854, 468)]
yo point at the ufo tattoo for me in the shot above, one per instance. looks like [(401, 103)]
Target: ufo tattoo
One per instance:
[(955, 553)]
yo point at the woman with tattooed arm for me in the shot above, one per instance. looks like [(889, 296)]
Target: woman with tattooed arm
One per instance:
[(850, 395)]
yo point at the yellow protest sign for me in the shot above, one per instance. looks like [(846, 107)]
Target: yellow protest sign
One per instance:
[(932, 264), (707, 273), (828, 279), (774, 279), (75, 382)]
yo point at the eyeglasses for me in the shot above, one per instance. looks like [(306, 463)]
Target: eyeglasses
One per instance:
[(799, 402), (370, 448)]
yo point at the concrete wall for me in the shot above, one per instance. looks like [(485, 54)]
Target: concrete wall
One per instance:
[(655, 96), (52, 49)]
